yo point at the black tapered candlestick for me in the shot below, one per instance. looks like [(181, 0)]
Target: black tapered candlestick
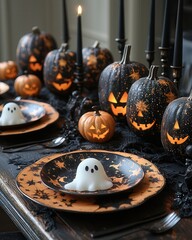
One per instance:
[(121, 38), (65, 24), (178, 45), (165, 41), (150, 51), (79, 62)]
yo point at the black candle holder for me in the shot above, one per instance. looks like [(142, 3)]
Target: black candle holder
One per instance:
[(121, 45), (164, 53), (176, 74), (79, 77), (150, 57)]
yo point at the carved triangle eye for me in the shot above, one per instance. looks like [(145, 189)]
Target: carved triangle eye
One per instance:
[(92, 127), (176, 125), (124, 98), (112, 98), (103, 126)]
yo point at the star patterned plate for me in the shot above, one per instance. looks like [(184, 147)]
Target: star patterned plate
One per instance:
[(30, 184), (51, 116), (124, 172), (31, 111)]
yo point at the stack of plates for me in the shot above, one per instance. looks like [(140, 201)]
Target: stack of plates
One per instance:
[(135, 180), (38, 115)]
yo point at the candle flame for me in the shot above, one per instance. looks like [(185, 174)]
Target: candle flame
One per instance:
[(79, 10)]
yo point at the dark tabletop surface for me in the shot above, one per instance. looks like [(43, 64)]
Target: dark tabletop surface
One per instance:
[(41, 222)]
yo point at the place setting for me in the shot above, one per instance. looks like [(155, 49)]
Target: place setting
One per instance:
[(25, 116), (126, 181)]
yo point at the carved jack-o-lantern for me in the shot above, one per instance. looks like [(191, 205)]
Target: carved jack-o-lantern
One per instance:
[(148, 98), (59, 67), (27, 85), (8, 70), (32, 50), (95, 59), (176, 130), (96, 126), (115, 82)]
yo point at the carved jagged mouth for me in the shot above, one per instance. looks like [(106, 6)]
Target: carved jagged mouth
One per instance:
[(61, 86), (177, 141), (142, 126), (118, 110), (99, 136), (35, 66)]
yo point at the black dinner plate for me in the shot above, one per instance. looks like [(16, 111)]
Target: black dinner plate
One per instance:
[(123, 171), (32, 112)]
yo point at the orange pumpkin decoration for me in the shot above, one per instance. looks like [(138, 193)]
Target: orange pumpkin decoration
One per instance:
[(8, 70), (96, 126), (27, 85)]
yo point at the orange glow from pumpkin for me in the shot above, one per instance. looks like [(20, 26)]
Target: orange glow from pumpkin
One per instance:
[(176, 125), (142, 127), (174, 140)]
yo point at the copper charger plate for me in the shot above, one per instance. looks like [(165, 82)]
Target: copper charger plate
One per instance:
[(30, 184), (123, 172), (3, 88), (51, 115)]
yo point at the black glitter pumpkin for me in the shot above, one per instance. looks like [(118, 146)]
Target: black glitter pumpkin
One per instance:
[(148, 98), (176, 130), (59, 67), (32, 50), (115, 82), (95, 59)]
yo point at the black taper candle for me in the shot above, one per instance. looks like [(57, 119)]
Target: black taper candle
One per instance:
[(65, 23), (165, 40), (178, 45), (151, 35), (121, 20), (79, 38)]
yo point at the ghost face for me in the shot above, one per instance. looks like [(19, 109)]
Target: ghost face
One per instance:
[(90, 176), (11, 115)]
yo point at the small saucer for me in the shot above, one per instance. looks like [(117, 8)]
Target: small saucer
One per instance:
[(3, 88)]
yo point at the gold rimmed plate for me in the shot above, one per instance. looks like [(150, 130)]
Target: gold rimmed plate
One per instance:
[(50, 117), (123, 172), (31, 111), (30, 184)]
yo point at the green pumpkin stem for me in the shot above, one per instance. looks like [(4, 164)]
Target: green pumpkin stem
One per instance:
[(96, 109), (36, 30), (96, 44), (153, 72), (126, 54)]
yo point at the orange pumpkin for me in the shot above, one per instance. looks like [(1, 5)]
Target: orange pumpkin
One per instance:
[(27, 85), (8, 70), (96, 126)]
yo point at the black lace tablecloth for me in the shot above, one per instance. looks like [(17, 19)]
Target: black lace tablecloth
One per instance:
[(123, 140)]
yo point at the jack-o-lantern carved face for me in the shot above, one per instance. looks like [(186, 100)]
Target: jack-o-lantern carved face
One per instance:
[(8, 70), (118, 105), (31, 88), (98, 132), (141, 116), (176, 140), (176, 130), (34, 65), (61, 84)]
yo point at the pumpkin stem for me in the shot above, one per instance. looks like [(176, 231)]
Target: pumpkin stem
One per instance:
[(64, 47), (36, 30), (96, 109), (153, 72), (126, 54), (190, 96), (96, 44)]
